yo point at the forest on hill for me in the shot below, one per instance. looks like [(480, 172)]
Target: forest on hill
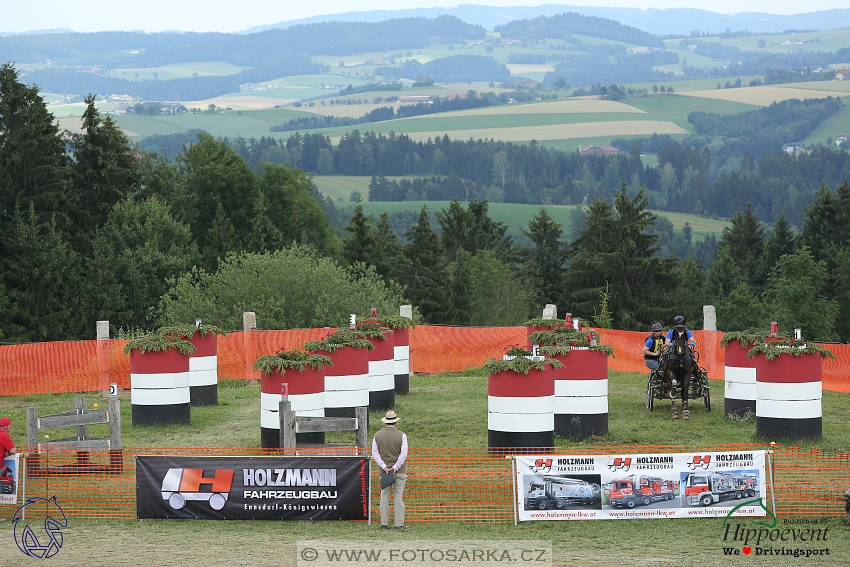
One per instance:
[(90, 230)]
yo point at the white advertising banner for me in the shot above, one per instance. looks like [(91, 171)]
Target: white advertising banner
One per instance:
[(641, 485), (9, 480)]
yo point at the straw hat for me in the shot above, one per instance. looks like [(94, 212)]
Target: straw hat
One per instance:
[(391, 417)]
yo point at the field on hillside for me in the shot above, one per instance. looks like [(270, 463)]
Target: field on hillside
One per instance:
[(177, 71), (767, 94)]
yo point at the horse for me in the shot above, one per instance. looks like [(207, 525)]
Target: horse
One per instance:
[(679, 366)]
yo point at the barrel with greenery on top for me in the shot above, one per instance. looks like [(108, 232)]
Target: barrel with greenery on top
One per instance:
[(159, 378), (298, 375), (789, 385), (401, 350), (381, 364), (347, 381), (739, 371), (535, 325), (581, 386), (520, 401), (203, 363)]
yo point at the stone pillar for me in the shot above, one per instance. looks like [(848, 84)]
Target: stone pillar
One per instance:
[(249, 324), (103, 357), (550, 311), (709, 318)]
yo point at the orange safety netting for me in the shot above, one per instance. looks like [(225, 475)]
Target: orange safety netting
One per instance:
[(81, 366), (805, 482)]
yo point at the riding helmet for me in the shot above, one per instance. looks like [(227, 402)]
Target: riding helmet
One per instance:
[(656, 327), (679, 320)]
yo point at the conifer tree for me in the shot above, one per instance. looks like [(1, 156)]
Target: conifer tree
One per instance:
[(545, 261), (359, 245), (618, 250), (745, 242), (423, 272)]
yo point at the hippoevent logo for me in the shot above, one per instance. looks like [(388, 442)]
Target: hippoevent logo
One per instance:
[(182, 485), (794, 537), (616, 463), (46, 542), (699, 461), (542, 465)]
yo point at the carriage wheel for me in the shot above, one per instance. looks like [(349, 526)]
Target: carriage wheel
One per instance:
[(650, 393)]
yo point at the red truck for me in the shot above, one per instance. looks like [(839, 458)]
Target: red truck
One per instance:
[(707, 488), (638, 490)]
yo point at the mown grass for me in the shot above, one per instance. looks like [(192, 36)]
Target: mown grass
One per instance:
[(441, 410), (444, 410)]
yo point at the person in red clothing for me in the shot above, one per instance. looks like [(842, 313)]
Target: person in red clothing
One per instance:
[(7, 447)]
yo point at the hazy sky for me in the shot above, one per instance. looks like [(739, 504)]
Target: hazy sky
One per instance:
[(230, 16)]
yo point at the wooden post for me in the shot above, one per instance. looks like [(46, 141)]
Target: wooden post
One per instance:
[(32, 426), (115, 423), (80, 406), (287, 425), (362, 415), (249, 323)]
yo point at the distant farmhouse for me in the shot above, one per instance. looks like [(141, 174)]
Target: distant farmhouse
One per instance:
[(598, 150), (414, 99), (506, 42), (842, 138), (792, 147), (842, 75)]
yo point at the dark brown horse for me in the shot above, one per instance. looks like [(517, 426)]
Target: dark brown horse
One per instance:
[(678, 368)]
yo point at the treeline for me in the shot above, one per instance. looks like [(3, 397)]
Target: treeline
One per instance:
[(132, 49), (625, 67), (563, 26), (457, 68), (74, 81)]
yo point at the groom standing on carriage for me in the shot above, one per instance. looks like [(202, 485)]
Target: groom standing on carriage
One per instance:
[(653, 347)]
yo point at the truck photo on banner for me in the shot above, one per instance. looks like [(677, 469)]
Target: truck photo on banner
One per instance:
[(627, 486), (9, 479), (252, 488)]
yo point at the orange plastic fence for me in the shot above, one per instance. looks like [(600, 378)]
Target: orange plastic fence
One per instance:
[(806, 482), (81, 366)]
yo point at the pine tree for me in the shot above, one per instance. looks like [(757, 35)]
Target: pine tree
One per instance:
[(220, 240), (745, 242), (105, 171), (360, 244), (779, 243), (264, 236), (545, 261), (423, 272), (461, 290), (387, 248), (619, 251)]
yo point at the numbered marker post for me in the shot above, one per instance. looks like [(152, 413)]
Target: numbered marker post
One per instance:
[(593, 337), (373, 313), (113, 390), (284, 390), (798, 335), (569, 319), (773, 326), (352, 321)]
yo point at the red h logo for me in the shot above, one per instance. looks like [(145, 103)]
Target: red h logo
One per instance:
[(194, 478)]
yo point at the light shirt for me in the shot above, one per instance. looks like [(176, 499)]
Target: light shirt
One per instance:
[(402, 456)]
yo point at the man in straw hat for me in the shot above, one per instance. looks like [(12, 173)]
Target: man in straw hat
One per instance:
[(389, 449)]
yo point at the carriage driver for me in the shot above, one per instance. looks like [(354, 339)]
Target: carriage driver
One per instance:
[(653, 347), (679, 321)]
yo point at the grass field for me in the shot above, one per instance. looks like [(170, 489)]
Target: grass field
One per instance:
[(177, 71), (441, 410)]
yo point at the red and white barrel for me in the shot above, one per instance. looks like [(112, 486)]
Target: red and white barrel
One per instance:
[(347, 381), (203, 370), (533, 329), (739, 380), (306, 393), (401, 360), (788, 397), (581, 394), (382, 373), (521, 409), (159, 387)]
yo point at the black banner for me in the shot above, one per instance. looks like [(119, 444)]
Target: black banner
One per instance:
[(252, 488)]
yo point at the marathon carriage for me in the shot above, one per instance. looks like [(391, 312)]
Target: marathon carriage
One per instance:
[(679, 372)]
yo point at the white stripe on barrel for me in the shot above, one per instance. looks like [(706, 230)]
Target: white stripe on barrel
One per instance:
[(382, 374), (159, 387), (306, 393), (739, 380), (203, 370), (788, 397), (401, 360), (520, 409), (581, 394), (346, 382)]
